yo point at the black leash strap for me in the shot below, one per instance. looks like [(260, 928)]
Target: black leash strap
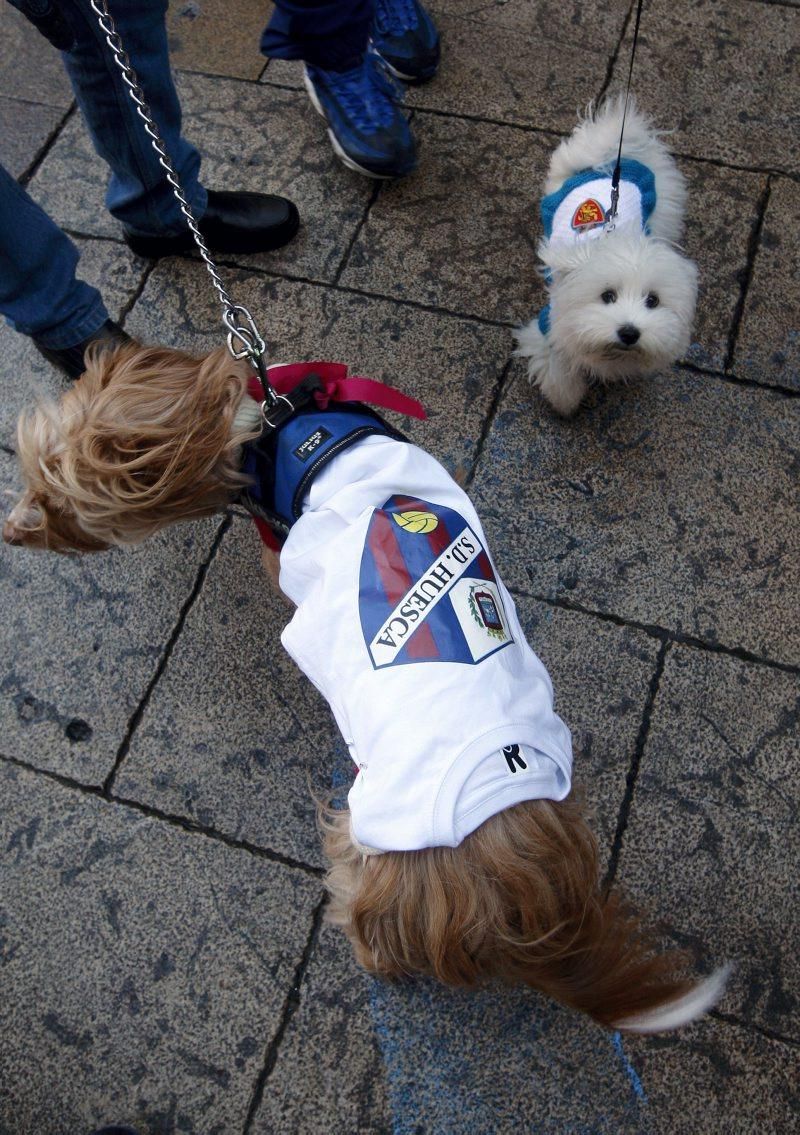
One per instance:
[(618, 167)]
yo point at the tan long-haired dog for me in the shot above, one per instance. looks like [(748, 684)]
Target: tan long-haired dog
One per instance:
[(463, 853)]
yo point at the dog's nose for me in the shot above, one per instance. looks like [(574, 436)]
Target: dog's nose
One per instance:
[(11, 534), (628, 334)]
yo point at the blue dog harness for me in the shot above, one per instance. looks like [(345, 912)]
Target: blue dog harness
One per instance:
[(581, 208), (298, 441)]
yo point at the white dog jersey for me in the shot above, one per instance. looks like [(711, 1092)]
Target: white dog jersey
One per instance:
[(404, 626)]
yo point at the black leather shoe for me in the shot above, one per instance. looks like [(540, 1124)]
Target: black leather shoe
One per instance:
[(232, 222), (70, 359)]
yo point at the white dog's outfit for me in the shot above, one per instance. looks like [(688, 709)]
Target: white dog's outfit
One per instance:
[(404, 626), (581, 208)]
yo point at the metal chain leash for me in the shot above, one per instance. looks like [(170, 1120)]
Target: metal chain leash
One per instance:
[(617, 172), (244, 340)]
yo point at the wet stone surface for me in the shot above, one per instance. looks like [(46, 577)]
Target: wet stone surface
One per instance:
[(153, 1004), (659, 503), (768, 347), (729, 71), (330, 1053), (712, 838), (83, 639)]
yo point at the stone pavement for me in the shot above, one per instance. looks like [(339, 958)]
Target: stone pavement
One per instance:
[(164, 960)]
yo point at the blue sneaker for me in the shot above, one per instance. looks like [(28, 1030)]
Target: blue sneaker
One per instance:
[(366, 124), (406, 39)]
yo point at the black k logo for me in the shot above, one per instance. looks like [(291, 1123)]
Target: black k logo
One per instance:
[(512, 755)]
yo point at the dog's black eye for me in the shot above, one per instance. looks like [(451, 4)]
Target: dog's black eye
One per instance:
[(609, 296), (651, 300)]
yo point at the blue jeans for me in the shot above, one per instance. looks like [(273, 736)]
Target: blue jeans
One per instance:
[(39, 292), (330, 34)]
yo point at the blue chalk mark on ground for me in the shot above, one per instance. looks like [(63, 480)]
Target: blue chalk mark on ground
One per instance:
[(492, 1061), (629, 1069)]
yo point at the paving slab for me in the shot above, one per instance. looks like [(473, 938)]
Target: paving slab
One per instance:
[(518, 74), (730, 72), (768, 346), (116, 273), (601, 677), (721, 215), (234, 738), (505, 1060), (30, 67), (462, 233), (82, 639), (329, 1074), (668, 502), (533, 68), (712, 837), (451, 365), (24, 128), (126, 998), (217, 37), (718, 1079), (252, 137)]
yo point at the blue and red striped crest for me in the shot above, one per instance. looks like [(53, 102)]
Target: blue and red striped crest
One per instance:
[(427, 590)]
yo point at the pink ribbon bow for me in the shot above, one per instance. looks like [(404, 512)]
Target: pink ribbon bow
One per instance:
[(337, 387)]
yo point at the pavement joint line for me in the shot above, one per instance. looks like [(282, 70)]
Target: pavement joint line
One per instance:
[(174, 820), (753, 1026), (373, 197), (489, 420), (635, 765), (348, 289), (128, 306), (46, 146), (615, 54), (290, 1007), (747, 275), (467, 317), (188, 603), (663, 634), (739, 380)]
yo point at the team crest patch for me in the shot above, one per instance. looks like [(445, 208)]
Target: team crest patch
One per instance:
[(588, 214), (427, 589)]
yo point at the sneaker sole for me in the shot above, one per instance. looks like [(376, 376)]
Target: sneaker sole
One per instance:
[(412, 80), (341, 154)]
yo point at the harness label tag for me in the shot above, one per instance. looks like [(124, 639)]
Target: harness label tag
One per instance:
[(312, 443)]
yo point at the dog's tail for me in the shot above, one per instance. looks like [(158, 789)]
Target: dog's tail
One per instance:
[(518, 900), (680, 1010)]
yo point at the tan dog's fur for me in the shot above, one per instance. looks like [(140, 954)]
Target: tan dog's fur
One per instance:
[(151, 436)]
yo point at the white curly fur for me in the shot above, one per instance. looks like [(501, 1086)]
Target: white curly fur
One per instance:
[(582, 344)]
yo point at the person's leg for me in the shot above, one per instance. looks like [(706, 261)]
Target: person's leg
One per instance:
[(345, 81), (329, 34), (139, 194), (39, 292)]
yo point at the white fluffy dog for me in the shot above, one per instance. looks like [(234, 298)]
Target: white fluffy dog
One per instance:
[(622, 298)]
